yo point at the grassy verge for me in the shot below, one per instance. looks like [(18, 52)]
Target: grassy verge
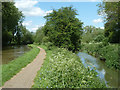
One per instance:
[(62, 69), (12, 68), (110, 53)]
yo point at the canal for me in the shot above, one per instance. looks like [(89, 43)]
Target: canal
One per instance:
[(10, 53)]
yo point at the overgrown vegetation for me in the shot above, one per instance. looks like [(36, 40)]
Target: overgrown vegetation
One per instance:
[(63, 69), (96, 44), (12, 68), (110, 53)]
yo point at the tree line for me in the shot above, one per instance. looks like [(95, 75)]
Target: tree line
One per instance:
[(62, 28), (13, 32)]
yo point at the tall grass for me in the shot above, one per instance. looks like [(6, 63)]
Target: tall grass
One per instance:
[(12, 68), (62, 69)]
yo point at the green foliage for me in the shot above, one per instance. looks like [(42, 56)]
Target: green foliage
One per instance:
[(109, 52), (39, 35), (92, 34), (45, 40), (12, 68), (26, 36), (111, 12), (15, 32), (63, 69), (99, 38), (63, 29), (11, 20)]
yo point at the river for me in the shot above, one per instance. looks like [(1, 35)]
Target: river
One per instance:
[(9, 53), (110, 76)]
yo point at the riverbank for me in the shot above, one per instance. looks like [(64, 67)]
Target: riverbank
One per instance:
[(62, 69), (24, 79), (12, 68), (109, 53)]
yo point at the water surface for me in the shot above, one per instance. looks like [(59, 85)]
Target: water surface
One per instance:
[(110, 76), (9, 53)]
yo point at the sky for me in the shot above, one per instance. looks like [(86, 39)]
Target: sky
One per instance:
[(35, 10)]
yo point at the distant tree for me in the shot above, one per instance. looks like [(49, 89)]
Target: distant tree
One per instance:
[(89, 29), (111, 13), (26, 36), (39, 35), (63, 28), (92, 34)]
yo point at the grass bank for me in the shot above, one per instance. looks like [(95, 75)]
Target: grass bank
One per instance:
[(110, 53), (12, 68), (62, 69)]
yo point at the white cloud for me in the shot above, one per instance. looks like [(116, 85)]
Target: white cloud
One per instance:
[(27, 23), (36, 27), (47, 12), (99, 20), (29, 9), (102, 27)]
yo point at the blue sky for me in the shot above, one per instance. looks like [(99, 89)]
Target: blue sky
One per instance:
[(35, 11)]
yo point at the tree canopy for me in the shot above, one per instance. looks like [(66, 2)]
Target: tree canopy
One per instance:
[(111, 13), (63, 28), (13, 32)]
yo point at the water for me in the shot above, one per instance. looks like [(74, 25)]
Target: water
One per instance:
[(110, 76), (9, 53)]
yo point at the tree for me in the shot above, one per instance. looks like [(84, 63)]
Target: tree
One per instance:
[(11, 21), (63, 28), (26, 36), (92, 34), (89, 29), (111, 13), (39, 35)]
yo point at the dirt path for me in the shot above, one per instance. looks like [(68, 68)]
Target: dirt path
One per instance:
[(24, 79)]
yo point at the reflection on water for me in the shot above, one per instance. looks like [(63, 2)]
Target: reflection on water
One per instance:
[(110, 76), (11, 52)]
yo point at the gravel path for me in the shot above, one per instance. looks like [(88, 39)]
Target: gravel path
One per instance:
[(25, 78)]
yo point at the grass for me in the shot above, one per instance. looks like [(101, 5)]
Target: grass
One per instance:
[(63, 69), (109, 52), (12, 68)]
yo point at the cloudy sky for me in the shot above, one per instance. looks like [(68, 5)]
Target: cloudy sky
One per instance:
[(35, 10)]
